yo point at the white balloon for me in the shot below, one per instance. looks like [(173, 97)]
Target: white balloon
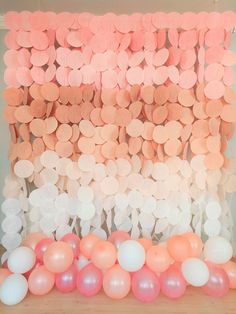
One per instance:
[(21, 260), (13, 289), (131, 255), (81, 262), (195, 272), (218, 250)]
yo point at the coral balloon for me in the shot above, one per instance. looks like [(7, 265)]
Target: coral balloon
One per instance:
[(21, 260), (158, 259), (116, 282), (218, 283), (195, 271), (173, 284), (218, 250), (131, 255), (104, 255), (145, 285), (41, 281), (179, 248), (230, 269), (66, 281), (32, 239), (58, 257), (118, 237), (195, 243), (41, 248), (4, 273), (89, 280), (73, 240), (145, 243), (87, 244)]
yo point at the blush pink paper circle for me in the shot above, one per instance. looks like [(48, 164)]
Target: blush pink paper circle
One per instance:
[(187, 79), (39, 40), (214, 89)]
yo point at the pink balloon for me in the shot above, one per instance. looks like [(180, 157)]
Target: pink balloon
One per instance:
[(89, 280), (41, 248), (218, 283), (117, 237), (66, 281), (73, 240), (173, 284), (145, 285), (41, 281)]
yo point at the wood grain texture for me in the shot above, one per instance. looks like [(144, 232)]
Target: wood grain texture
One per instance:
[(194, 302)]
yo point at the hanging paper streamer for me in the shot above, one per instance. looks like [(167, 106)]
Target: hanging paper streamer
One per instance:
[(119, 122)]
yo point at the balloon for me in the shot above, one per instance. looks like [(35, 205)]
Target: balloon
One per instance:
[(179, 248), (41, 248), (104, 255), (173, 284), (81, 262), (21, 260), (131, 255), (41, 281), (158, 259), (14, 289), (118, 237), (196, 244), (66, 281), (195, 271), (4, 273), (32, 239), (230, 269), (58, 257), (145, 285), (145, 243), (218, 250), (36, 265), (89, 280), (218, 283), (116, 282), (87, 244), (73, 240)]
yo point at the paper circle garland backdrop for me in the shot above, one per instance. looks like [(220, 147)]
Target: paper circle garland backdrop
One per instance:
[(118, 131)]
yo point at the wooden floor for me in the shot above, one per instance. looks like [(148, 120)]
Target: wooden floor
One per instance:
[(194, 302)]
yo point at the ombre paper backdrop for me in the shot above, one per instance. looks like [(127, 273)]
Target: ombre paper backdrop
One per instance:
[(119, 60)]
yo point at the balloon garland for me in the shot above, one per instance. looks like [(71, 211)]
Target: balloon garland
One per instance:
[(118, 266)]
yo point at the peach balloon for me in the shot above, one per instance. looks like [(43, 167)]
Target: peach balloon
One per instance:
[(116, 282), (104, 255), (230, 269), (145, 243), (196, 244), (58, 257), (117, 237), (41, 281), (33, 239), (158, 259), (179, 248), (4, 273), (87, 244)]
